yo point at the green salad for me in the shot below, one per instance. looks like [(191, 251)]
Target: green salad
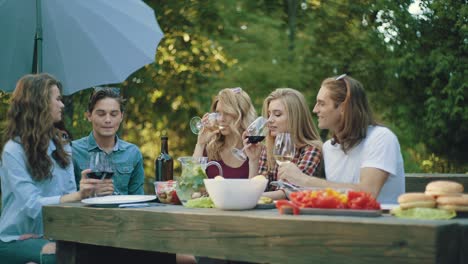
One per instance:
[(202, 202)]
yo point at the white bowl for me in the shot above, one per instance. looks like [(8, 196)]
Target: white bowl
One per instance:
[(235, 194)]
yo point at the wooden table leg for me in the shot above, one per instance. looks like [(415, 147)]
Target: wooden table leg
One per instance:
[(464, 245), (66, 252)]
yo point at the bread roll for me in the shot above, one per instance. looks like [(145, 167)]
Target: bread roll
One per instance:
[(457, 203), (444, 188), (413, 200)]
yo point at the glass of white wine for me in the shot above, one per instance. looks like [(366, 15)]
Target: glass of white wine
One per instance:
[(197, 124), (284, 149)]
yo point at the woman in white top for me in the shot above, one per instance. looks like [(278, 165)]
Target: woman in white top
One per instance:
[(362, 155)]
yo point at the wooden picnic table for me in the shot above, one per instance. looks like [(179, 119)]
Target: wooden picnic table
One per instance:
[(262, 236)]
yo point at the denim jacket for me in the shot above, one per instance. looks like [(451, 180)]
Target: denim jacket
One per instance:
[(126, 158)]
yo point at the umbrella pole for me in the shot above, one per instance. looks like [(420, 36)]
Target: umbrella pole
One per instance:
[(38, 40)]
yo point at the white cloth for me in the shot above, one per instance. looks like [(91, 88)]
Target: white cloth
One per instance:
[(380, 149)]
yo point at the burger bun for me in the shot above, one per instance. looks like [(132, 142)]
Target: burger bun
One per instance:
[(416, 200), (444, 188), (457, 203)]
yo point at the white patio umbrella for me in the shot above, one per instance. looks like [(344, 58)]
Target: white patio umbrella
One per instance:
[(83, 43)]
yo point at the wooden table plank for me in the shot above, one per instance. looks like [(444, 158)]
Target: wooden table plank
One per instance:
[(258, 235)]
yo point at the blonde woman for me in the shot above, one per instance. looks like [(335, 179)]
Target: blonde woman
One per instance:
[(287, 112), (235, 112)]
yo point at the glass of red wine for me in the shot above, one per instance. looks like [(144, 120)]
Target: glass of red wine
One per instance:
[(101, 167), (255, 133)]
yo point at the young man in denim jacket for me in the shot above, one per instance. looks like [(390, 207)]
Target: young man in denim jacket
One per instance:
[(105, 112)]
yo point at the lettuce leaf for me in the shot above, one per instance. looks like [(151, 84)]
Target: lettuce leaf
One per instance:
[(423, 213), (202, 202)]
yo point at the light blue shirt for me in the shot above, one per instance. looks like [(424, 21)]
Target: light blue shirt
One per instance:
[(23, 197), (126, 158)]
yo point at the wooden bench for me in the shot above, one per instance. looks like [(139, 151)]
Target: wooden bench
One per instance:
[(416, 182)]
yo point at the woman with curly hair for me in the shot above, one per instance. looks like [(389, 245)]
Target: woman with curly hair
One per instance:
[(36, 169), (235, 112)]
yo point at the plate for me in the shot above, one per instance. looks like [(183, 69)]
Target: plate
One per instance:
[(340, 212), (388, 207), (265, 206), (118, 199)]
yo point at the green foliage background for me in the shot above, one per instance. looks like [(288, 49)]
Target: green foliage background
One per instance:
[(414, 68)]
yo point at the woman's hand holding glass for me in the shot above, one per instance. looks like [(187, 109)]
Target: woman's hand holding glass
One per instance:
[(209, 121), (254, 133), (252, 151), (207, 127)]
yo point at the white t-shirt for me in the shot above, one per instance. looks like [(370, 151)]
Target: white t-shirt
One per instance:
[(380, 149)]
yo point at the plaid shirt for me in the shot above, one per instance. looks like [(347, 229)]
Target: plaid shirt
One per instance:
[(306, 158)]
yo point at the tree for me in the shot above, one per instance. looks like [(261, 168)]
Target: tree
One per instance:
[(412, 66), (430, 67)]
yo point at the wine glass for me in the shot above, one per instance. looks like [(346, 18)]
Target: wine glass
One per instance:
[(196, 123), (101, 167), (255, 133), (284, 149)]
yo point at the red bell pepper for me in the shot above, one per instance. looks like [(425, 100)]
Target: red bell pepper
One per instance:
[(281, 204)]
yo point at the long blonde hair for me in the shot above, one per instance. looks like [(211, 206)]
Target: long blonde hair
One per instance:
[(301, 127), (238, 104)]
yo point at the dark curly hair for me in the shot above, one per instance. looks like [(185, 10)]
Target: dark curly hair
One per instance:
[(30, 123)]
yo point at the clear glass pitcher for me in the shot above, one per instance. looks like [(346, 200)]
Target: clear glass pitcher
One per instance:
[(190, 183)]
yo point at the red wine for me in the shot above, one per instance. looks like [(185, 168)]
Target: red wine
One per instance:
[(163, 165), (255, 139), (100, 174)]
